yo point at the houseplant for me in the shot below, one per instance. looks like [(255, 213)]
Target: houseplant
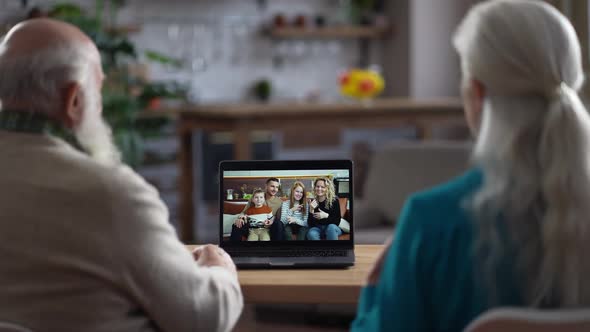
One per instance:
[(122, 91)]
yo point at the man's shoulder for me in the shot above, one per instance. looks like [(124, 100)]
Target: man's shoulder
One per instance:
[(62, 162), (274, 201), (116, 179), (122, 178)]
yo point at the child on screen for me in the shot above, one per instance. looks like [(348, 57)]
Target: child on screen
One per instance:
[(259, 216)]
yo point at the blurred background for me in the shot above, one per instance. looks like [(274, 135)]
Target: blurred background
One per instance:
[(166, 57), (163, 57)]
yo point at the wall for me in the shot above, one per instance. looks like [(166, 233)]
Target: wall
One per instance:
[(239, 54), (396, 50), (275, 173), (423, 56), (419, 60), (435, 70), (578, 12), (224, 51)]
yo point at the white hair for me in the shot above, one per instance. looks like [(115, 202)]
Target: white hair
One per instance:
[(533, 148), (93, 133), (37, 78)]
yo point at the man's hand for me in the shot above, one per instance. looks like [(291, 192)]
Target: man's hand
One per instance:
[(240, 221), (377, 268), (211, 255), (269, 222)]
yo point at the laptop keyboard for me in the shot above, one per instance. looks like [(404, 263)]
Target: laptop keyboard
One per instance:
[(289, 253)]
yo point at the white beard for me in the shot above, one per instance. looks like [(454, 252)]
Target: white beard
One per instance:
[(93, 133)]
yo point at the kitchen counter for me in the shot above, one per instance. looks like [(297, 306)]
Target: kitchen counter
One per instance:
[(233, 110)]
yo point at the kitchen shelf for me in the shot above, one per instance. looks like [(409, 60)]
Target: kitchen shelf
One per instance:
[(331, 32)]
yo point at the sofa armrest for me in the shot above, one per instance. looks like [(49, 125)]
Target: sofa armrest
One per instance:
[(233, 207), (228, 221)]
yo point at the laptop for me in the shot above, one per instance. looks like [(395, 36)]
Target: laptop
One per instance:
[(296, 213)]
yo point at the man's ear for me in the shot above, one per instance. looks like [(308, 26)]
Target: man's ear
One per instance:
[(72, 110)]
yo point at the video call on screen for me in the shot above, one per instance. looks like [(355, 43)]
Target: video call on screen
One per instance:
[(290, 201)]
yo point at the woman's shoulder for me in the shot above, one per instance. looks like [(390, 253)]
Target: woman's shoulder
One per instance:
[(458, 187), (447, 200)]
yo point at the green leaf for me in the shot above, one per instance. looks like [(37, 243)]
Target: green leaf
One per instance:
[(120, 108), (131, 145), (65, 10), (163, 59)]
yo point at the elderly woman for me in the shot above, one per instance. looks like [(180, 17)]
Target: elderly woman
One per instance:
[(514, 230)]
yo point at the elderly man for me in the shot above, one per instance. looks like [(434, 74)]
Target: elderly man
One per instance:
[(85, 242)]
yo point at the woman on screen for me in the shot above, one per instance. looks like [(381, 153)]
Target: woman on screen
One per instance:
[(324, 215), (294, 212)]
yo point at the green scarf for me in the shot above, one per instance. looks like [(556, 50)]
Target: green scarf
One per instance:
[(25, 121)]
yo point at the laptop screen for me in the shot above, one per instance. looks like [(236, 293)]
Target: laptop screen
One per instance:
[(288, 202)]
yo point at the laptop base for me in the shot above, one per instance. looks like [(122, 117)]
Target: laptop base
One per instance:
[(295, 262)]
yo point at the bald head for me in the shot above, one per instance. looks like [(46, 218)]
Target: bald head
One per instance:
[(43, 34), (51, 67), (43, 63)]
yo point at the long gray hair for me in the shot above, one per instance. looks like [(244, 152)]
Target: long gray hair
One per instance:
[(533, 148)]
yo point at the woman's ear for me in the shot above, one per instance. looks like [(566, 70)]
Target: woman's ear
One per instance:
[(473, 93), (71, 115), (479, 91), (479, 94)]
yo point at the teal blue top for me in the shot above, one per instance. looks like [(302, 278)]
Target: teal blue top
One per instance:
[(428, 281)]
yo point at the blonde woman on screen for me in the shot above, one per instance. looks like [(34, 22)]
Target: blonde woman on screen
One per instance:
[(324, 214)]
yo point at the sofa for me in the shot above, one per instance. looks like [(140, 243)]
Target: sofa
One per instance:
[(397, 170), (231, 209)]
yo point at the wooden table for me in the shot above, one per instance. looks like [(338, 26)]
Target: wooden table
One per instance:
[(243, 119), (341, 286)]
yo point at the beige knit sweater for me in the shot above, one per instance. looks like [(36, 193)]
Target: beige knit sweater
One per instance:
[(85, 247)]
